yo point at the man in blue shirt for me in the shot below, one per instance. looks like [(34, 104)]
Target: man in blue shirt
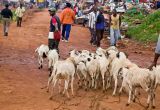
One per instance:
[(100, 25)]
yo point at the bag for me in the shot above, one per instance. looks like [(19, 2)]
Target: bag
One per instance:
[(51, 35), (57, 35)]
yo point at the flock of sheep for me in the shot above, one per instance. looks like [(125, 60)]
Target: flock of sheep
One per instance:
[(100, 68)]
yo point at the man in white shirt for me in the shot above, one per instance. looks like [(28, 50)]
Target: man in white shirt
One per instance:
[(19, 13), (91, 25)]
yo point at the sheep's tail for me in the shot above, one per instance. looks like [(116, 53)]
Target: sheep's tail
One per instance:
[(36, 49)]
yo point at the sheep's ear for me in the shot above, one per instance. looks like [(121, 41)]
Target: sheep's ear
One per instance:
[(107, 54), (90, 54), (100, 55), (117, 55), (88, 59), (76, 53), (80, 51), (119, 70)]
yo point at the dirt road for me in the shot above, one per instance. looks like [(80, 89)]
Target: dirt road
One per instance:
[(21, 80)]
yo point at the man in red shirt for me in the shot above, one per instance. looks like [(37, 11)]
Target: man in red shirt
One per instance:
[(55, 29)]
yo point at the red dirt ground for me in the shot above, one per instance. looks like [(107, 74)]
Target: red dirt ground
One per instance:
[(21, 80)]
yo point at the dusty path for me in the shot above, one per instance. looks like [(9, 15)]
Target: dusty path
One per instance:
[(21, 81)]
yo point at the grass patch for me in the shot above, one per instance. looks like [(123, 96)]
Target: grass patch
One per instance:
[(147, 30)]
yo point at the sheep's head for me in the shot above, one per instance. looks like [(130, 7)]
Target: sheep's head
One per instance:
[(122, 55), (112, 48), (100, 50), (80, 58), (111, 54), (86, 52), (122, 72), (74, 53)]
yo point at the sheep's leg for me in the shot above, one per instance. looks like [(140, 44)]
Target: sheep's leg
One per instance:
[(153, 100), (66, 88), (129, 98), (49, 81), (85, 84), (39, 61), (59, 86), (96, 81), (115, 86), (92, 80), (108, 82), (148, 100), (134, 95), (54, 83), (120, 90), (130, 95), (72, 79), (85, 81), (49, 64), (103, 82)]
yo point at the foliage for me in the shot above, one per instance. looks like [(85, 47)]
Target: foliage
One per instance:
[(14, 15), (147, 30)]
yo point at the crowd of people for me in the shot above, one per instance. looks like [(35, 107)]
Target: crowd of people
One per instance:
[(7, 16), (60, 27)]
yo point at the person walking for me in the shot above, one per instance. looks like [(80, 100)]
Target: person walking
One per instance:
[(55, 30), (157, 53), (91, 25), (19, 13), (115, 22), (100, 25), (67, 19), (6, 17)]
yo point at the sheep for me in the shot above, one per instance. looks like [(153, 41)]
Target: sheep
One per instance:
[(116, 63), (92, 65), (127, 65), (156, 77), (65, 70), (135, 77), (89, 68), (156, 71), (82, 71), (104, 63), (52, 59), (42, 51)]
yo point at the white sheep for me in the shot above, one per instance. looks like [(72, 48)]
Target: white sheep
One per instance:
[(156, 71), (82, 71), (116, 63), (65, 70), (127, 65), (104, 63), (52, 58), (134, 77), (92, 65), (42, 51)]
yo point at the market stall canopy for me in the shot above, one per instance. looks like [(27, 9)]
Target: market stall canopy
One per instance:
[(18, 0)]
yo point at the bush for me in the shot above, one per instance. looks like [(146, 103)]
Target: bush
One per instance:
[(147, 31)]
